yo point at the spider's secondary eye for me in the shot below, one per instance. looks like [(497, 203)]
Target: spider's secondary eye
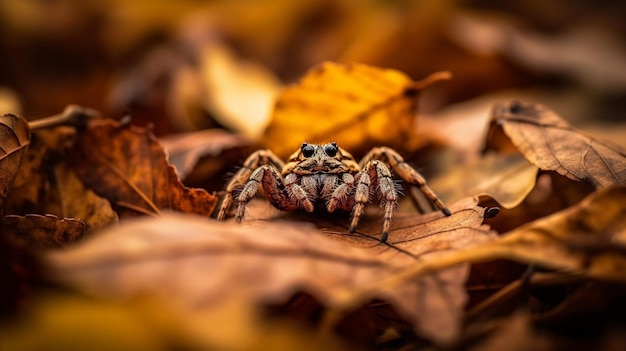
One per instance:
[(307, 150), (331, 149)]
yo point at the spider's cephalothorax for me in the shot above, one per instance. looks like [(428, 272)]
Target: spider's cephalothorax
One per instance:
[(327, 177)]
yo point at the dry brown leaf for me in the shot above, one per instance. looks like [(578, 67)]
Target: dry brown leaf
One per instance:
[(184, 150), (24, 196), (199, 262), (70, 198), (47, 231), (14, 141), (550, 143), (46, 184), (516, 333), (128, 166), (358, 106), (505, 178)]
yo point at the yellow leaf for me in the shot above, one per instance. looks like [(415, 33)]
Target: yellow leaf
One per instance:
[(358, 106)]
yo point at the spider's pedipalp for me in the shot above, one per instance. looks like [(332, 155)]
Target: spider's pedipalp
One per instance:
[(340, 197), (284, 195)]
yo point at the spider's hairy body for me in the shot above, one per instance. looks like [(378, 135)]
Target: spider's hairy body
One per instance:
[(325, 177)]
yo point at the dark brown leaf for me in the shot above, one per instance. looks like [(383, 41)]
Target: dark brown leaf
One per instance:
[(550, 143), (185, 150), (46, 184), (128, 166), (14, 141), (43, 231)]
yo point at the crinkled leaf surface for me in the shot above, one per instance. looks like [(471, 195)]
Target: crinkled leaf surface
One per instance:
[(14, 141), (550, 143), (358, 106), (128, 166), (47, 231), (200, 261)]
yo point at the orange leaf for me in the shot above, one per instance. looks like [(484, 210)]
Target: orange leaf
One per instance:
[(128, 166)]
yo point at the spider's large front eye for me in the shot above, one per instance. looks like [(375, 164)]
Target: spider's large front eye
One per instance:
[(307, 150), (331, 149)]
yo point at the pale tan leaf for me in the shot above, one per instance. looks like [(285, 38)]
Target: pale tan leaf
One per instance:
[(240, 92), (505, 178)]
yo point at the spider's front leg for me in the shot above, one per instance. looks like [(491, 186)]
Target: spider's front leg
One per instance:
[(375, 175), (256, 159), (406, 172), (284, 194)]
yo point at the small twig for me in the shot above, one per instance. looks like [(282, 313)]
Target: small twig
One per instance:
[(513, 289), (72, 114)]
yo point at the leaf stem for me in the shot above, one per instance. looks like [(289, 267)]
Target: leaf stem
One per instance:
[(72, 114)]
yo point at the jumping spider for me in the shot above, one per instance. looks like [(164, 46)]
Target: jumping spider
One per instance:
[(325, 177)]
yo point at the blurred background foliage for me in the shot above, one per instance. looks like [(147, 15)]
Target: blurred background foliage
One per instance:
[(191, 64)]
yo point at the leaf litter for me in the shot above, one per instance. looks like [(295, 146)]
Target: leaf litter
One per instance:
[(420, 273)]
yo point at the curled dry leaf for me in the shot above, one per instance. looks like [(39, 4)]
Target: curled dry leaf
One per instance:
[(47, 231), (128, 166), (550, 143), (184, 150), (357, 105), (200, 262), (14, 140)]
